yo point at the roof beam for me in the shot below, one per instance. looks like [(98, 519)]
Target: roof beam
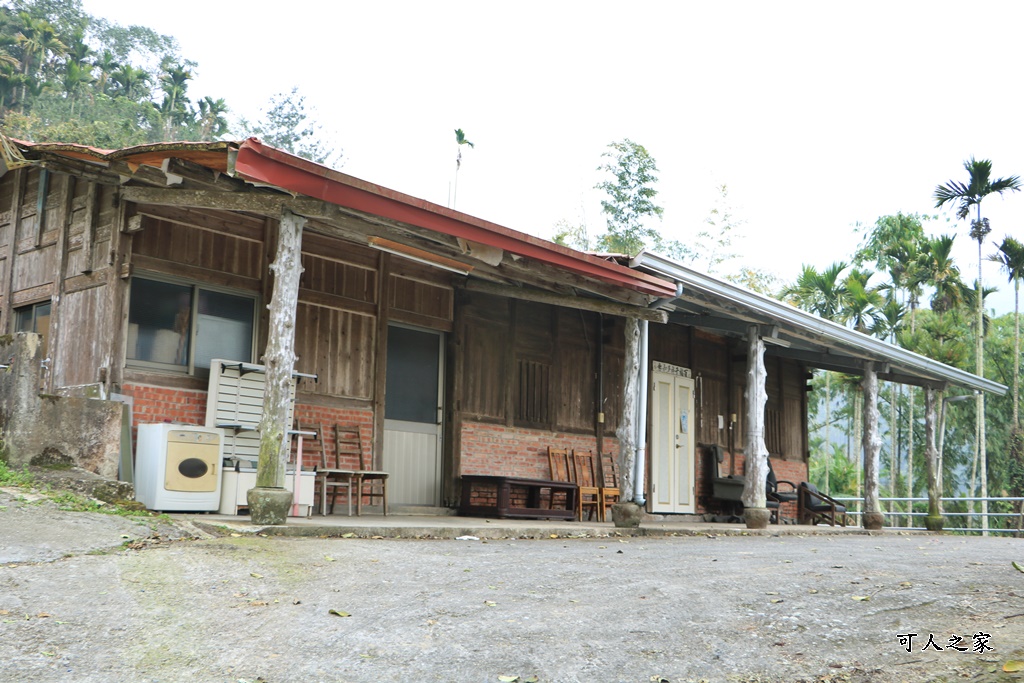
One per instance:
[(577, 302)]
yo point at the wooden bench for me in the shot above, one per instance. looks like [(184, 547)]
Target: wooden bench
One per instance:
[(517, 497)]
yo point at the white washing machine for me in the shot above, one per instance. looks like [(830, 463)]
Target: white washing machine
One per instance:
[(177, 467)]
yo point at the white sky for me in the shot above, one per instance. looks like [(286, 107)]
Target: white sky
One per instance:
[(817, 115)]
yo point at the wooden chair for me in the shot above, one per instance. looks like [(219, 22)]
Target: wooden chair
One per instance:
[(815, 507), (370, 484), (780, 497), (331, 477), (610, 492), (558, 462), (590, 493)]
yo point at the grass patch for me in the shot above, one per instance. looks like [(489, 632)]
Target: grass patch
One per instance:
[(19, 478)]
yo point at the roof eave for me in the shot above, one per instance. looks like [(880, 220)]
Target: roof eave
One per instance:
[(825, 329)]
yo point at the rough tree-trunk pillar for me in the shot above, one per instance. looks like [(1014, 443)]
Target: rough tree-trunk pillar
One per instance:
[(626, 432), (932, 398), (872, 444), (269, 501), (627, 513), (756, 472)]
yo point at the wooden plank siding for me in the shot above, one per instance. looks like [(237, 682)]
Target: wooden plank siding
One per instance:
[(719, 368), (531, 365)]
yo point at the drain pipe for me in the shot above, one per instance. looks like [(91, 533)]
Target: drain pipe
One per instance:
[(640, 462)]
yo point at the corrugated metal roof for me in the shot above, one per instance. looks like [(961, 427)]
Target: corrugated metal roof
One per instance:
[(805, 336)]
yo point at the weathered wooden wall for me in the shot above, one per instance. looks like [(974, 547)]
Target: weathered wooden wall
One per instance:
[(533, 365), (720, 371)]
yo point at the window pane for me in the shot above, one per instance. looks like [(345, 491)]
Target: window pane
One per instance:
[(223, 328), (411, 378), (159, 321)]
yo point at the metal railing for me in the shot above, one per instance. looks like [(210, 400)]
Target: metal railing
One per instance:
[(853, 509)]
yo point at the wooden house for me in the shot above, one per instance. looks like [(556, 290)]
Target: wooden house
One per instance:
[(457, 346)]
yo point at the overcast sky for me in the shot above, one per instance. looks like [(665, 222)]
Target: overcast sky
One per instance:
[(816, 115)]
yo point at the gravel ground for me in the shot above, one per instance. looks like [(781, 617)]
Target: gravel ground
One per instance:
[(87, 597)]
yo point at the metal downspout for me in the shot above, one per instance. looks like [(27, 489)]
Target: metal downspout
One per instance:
[(640, 463)]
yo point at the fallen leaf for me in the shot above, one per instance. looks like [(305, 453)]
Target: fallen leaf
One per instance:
[(236, 535), (776, 601), (772, 593), (255, 575), (348, 535), (1013, 666), (551, 536), (906, 584), (813, 590), (328, 558), (531, 679), (339, 613), (862, 598), (1017, 567), (259, 603), (509, 679), (42, 615), (50, 654), (377, 538)]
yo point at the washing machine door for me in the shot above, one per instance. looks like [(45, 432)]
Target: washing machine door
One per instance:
[(192, 461)]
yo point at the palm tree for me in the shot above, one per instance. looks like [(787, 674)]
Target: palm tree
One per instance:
[(212, 123), (1011, 258), (460, 140), (825, 294), (130, 82), (75, 77), (980, 184), (107, 64)]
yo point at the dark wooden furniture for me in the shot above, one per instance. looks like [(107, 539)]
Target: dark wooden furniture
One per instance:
[(485, 495), (816, 507)]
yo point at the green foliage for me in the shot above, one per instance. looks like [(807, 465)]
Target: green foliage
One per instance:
[(630, 203), (711, 246), (287, 125), (573, 236), (979, 185), (19, 478)]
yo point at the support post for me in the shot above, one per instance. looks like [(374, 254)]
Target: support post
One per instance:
[(627, 512), (754, 509), (626, 432), (872, 444), (269, 501), (933, 459)]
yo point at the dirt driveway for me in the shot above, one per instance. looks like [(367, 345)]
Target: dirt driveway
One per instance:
[(76, 605)]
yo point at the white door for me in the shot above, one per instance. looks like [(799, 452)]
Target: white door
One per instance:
[(672, 442), (412, 416)]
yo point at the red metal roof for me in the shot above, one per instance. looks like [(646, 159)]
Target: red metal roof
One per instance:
[(266, 165)]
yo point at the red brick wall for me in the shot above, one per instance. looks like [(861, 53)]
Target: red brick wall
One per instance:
[(518, 452), (327, 417), (153, 404)]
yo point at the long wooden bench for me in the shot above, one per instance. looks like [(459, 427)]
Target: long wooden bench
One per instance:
[(485, 495)]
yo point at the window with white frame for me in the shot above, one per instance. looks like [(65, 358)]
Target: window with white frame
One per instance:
[(181, 326)]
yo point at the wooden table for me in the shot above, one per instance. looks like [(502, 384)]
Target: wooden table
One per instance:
[(528, 504)]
